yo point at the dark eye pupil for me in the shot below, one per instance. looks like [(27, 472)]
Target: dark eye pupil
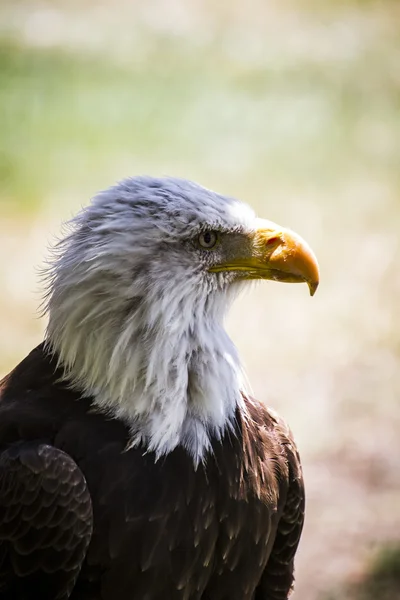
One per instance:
[(208, 239)]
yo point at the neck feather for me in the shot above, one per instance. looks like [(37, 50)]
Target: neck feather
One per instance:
[(172, 374)]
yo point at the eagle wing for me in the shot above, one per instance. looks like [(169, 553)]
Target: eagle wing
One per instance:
[(45, 522), (278, 577)]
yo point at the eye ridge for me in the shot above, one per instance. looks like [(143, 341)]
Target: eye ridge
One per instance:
[(208, 239)]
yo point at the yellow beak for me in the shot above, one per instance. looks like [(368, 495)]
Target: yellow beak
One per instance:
[(275, 253)]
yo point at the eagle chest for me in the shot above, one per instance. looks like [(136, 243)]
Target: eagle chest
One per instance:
[(164, 529)]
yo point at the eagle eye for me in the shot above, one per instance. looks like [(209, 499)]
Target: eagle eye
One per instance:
[(208, 239)]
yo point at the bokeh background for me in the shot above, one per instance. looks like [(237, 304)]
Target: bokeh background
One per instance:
[(293, 106)]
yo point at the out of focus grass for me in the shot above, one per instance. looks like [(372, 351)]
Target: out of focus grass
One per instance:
[(292, 106), (381, 579), (72, 118)]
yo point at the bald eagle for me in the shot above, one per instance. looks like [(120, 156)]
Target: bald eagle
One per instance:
[(134, 464)]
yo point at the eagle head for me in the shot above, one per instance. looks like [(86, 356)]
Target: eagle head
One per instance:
[(136, 295)]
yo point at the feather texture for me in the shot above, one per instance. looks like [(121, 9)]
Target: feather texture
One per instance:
[(45, 524), (134, 465), (137, 320), (161, 528)]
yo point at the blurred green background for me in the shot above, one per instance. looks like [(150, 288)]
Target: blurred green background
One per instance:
[(293, 106)]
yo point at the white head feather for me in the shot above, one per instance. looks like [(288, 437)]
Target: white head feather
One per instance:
[(136, 318)]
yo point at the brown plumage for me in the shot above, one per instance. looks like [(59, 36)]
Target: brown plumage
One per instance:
[(133, 463), (228, 530)]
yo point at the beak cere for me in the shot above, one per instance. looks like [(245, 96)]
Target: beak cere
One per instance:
[(285, 256), (272, 252)]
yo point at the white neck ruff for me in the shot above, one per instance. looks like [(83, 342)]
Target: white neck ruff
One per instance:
[(172, 374)]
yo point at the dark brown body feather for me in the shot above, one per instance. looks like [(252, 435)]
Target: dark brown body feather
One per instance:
[(159, 530)]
